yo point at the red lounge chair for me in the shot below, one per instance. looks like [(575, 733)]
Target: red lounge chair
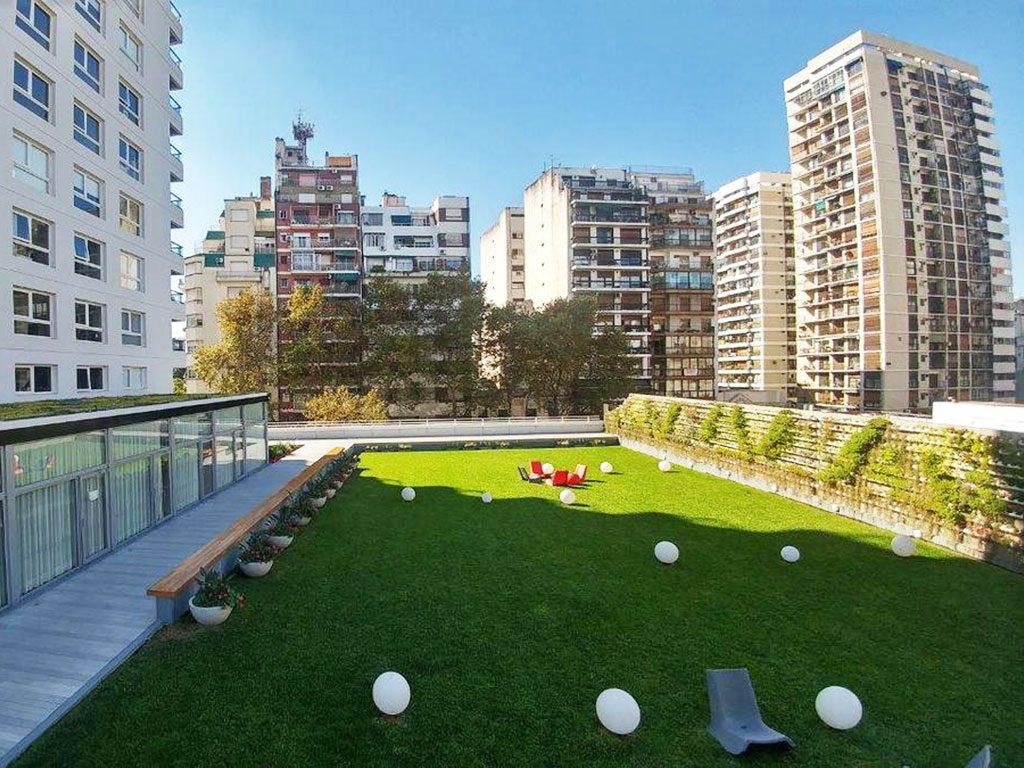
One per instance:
[(579, 477), (530, 478), (561, 477), (537, 469)]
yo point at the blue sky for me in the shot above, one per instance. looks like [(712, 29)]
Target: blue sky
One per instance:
[(474, 97)]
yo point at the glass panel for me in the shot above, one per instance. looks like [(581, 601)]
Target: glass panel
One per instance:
[(228, 420), (225, 469), (192, 426), (134, 439), (3, 564), (239, 438), (206, 470), (45, 533), (255, 446), (186, 473), (45, 459), (92, 522), (132, 489), (163, 486)]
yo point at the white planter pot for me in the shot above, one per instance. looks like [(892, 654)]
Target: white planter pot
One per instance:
[(331, 492), (336, 483), (209, 617), (302, 521), (281, 542), (317, 503), (255, 570)]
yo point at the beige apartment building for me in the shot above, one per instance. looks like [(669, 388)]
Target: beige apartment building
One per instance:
[(754, 290), (502, 259), (235, 257), (902, 260)]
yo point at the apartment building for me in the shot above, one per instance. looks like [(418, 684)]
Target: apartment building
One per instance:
[(89, 116), (237, 256), (755, 294), (902, 261), (682, 290), (407, 243), (586, 232), (1018, 325), (318, 241), (502, 261)]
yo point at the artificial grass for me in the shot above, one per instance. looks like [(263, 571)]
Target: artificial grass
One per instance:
[(508, 619)]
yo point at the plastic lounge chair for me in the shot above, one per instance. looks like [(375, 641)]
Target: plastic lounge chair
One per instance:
[(579, 476), (735, 719), (983, 759), (561, 477), (537, 469), (524, 475)]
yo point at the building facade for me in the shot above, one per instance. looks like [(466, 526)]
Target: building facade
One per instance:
[(502, 260), (902, 260), (407, 243), (1018, 325), (89, 116), (755, 318), (318, 242), (682, 290), (586, 232), (238, 256)]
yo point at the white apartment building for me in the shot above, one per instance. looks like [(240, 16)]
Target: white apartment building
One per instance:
[(902, 259), (87, 114), (502, 262), (586, 231), (755, 336), (408, 242), (238, 256)]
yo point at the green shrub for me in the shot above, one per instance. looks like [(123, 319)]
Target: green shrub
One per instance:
[(779, 436), (852, 457), (740, 430), (710, 424)]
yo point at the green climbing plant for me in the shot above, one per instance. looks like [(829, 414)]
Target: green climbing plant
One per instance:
[(740, 430), (710, 424), (853, 455), (779, 437)]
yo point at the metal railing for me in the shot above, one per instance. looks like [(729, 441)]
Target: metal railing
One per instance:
[(443, 422)]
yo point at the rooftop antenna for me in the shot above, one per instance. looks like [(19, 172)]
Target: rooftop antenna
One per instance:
[(302, 131)]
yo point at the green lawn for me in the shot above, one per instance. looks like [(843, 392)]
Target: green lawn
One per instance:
[(508, 619)]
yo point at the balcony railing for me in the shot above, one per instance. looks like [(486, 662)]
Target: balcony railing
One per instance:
[(174, 56), (175, 201), (175, 152), (177, 297), (588, 240), (176, 250), (347, 265), (175, 11), (621, 285)]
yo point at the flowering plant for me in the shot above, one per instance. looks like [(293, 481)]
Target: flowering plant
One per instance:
[(281, 524), (257, 549), (215, 592)]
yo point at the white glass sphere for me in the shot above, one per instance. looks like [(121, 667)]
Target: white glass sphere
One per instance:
[(618, 711), (838, 707), (904, 546), (548, 468), (666, 552), (665, 465), (408, 493), (567, 497), (790, 554), (391, 693), (486, 498), (606, 467)]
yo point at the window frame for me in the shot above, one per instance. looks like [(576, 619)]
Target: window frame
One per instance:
[(134, 227), (84, 329), (25, 96), (30, 318), (27, 24), (84, 195), (126, 378), (96, 22), (81, 69), (129, 282), (83, 266), (33, 368), (135, 118), (89, 371), (126, 35), (125, 147), (129, 332), (81, 133), (24, 167), (29, 244)]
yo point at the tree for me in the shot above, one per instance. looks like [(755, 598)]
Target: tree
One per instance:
[(394, 350), (339, 404), (319, 344), (243, 359)]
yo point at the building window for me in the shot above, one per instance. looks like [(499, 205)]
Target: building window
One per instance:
[(130, 213), (31, 237), (92, 12), (88, 66), (32, 90), (88, 257), (131, 158), (194, 321), (88, 321), (90, 378), (34, 378), (133, 328), (135, 6), (133, 377), (129, 102), (87, 128), (33, 311), (35, 20), (131, 47), (31, 163), (133, 272), (88, 192)]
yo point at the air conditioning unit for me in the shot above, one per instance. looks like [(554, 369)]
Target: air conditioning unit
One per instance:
[(321, 187)]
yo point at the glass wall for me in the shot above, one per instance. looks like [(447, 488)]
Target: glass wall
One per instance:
[(66, 500)]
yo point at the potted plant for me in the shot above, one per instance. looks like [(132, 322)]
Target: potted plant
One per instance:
[(257, 555), (317, 495), (303, 514), (214, 600), (281, 531)]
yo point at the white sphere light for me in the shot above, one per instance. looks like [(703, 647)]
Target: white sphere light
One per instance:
[(486, 498), (904, 546), (391, 693), (618, 711), (838, 707), (408, 493), (665, 465), (567, 497), (790, 554), (606, 467), (548, 468), (666, 552)]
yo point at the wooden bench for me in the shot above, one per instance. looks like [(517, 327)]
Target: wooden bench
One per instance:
[(173, 590)]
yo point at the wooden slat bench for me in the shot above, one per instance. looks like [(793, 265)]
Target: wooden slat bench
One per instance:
[(173, 590)]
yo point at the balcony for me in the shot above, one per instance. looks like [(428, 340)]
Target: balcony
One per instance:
[(176, 250), (177, 167), (302, 262), (177, 214), (177, 126), (610, 285), (177, 78), (239, 276), (321, 221), (175, 29), (178, 297), (608, 242), (608, 217)]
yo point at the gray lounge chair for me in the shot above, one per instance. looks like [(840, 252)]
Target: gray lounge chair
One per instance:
[(983, 759), (735, 719)]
